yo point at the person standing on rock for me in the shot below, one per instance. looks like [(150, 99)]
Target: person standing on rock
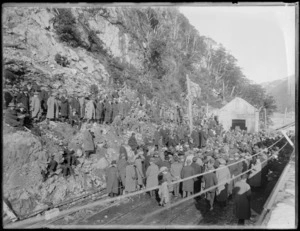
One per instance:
[(75, 105), (121, 166), (112, 183), (133, 143), (210, 180), (139, 170), (131, 177), (12, 118), (88, 143), (115, 110), (64, 109), (175, 171), (152, 177), (107, 112), (43, 95), (24, 99), (242, 195), (82, 106), (188, 185), (99, 110), (52, 104), (90, 111), (35, 107)]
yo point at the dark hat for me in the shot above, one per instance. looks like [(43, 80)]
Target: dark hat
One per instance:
[(114, 162)]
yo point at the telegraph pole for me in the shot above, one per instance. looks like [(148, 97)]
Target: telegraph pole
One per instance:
[(190, 112)]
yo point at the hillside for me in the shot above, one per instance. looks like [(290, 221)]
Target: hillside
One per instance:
[(143, 52), (279, 90)]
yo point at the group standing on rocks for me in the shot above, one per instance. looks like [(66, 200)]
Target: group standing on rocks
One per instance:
[(173, 153)]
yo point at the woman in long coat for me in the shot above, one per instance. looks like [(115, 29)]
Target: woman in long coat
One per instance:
[(107, 112), (35, 106), (242, 194), (64, 108), (223, 177), (187, 185), (90, 112), (255, 174), (152, 176), (112, 183), (122, 163), (131, 177), (88, 143), (210, 180), (99, 111), (139, 171), (52, 112)]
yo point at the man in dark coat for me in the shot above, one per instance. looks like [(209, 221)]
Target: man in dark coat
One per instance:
[(12, 118), (210, 180), (121, 166), (202, 137), (197, 168), (112, 183), (74, 104), (133, 143), (123, 151), (8, 97), (24, 98), (242, 195), (64, 108), (99, 111), (107, 112), (195, 137), (188, 185), (43, 96)]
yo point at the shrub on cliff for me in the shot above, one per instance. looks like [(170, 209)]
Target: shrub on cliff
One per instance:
[(65, 27)]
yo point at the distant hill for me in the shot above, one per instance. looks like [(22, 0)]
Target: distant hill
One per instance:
[(283, 96)]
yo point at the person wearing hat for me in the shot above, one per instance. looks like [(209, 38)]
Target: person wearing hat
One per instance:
[(197, 169), (112, 183), (23, 97), (131, 177), (152, 176), (81, 100), (67, 162), (64, 108), (187, 185), (12, 118), (242, 195), (139, 169), (121, 166), (99, 110), (133, 143), (43, 96), (210, 180), (175, 171), (224, 177), (52, 107), (35, 106), (163, 191), (90, 111), (108, 110), (88, 143)]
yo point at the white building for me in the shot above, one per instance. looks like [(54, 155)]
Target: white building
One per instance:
[(239, 112)]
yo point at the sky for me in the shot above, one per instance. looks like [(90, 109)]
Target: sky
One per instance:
[(261, 38)]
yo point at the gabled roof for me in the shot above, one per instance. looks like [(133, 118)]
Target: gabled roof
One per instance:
[(237, 99)]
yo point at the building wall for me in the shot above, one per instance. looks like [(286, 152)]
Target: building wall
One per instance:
[(239, 109)]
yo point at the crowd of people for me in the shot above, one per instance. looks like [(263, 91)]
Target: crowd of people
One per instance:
[(173, 153), (207, 149)]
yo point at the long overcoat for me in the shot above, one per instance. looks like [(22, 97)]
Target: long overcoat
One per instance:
[(210, 180), (112, 183), (52, 105), (223, 177), (99, 110), (152, 176), (242, 193), (35, 106), (82, 106), (139, 171), (107, 112), (122, 170), (188, 185), (74, 104), (131, 177), (255, 174), (115, 111), (64, 107), (90, 112), (24, 99), (202, 138), (88, 141), (195, 137)]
